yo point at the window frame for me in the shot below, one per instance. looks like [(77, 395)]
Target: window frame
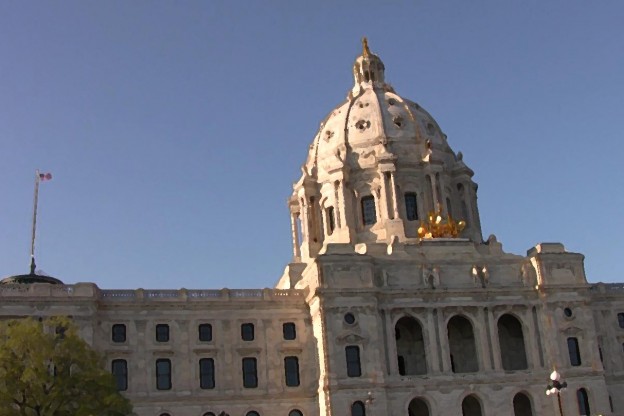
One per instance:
[(162, 333), (353, 361), (291, 371), (123, 333), (210, 375), (369, 210), (407, 196), (123, 375), (289, 328), (248, 332), (574, 352), (250, 375), (166, 375), (206, 326)]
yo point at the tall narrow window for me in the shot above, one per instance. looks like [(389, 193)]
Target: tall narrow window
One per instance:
[(163, 374), (119, 368), (357, 409), (247, 332), (289, 330), (574, 352), (291, 371), (369, 214), (162, 333), (583, 402), (119, 333), (205, 332), (621, 320), (352, 353), (331, 220), (206, 373), (411, 206), (250, 372)]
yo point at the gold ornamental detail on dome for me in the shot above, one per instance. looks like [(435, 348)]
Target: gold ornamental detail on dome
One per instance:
[(437, 226), (365, 51)]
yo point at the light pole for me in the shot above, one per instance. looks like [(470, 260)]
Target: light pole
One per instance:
[(556, 387)]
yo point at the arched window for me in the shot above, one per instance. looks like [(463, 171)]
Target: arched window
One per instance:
[(295, 412), (369, 213), (352, 353), (411, 206), (357, 409), (471, 406), (208, 414), (583, 402), (410, 347), (574, 352), (462, 345), (511, 342), (252, 413), (418, 407), (522, 405), (165, 414)]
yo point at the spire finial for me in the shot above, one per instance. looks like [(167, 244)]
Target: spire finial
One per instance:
[(365, 51)]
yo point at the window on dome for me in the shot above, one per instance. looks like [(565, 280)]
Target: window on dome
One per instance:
[(411, 206), (331, 220), (369, 214)]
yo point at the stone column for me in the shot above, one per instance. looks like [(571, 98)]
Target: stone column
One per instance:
[(432, 352), (494, 341), (295, 235), (395, 205), (443, 343), (383, 198), (483, 340)]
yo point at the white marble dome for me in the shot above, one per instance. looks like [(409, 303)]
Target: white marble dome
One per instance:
[(377, 166)]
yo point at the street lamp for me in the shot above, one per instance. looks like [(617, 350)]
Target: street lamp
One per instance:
[(556, 387)]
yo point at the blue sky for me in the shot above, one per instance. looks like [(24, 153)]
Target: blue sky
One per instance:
[(174, 130)]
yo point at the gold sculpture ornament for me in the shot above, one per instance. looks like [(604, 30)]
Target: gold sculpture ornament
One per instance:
[(437, 227), (365, 51)]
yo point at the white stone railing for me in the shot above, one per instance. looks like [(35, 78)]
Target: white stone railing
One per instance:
[(90, 290), (608, 287)]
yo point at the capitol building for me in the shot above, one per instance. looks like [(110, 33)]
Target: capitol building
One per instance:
[(393, 303)]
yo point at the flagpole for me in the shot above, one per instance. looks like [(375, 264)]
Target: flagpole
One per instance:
[(34, 223)]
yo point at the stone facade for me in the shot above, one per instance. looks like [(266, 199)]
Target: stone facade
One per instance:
[(368, 318)]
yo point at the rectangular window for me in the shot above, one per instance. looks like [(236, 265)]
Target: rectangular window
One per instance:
[(369, 214), (411, 206), (353, 361), (331, 220), (205, 332), (162, 333), (250, 373), (206, 373), (289, 331), (163, 374), (574, 352), (291, 371), (621, 320), (119, 368), (119, 333), (247, 332)]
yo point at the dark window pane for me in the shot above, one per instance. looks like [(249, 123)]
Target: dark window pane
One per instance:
[(252, 413), (250, 374), (289, 330), (295, 412), (206, 373), (247, 332), (331, 220), (353, 361), (291, 371), (573, 351), (621, 320), (583, 402), (208, 414), (411, 206), (119, 333), (119, 368), (162, 333), (163, 374), (205, 332), (369, 215), (357, 409)]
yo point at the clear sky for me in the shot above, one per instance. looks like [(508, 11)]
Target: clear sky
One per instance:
[(174, 129)]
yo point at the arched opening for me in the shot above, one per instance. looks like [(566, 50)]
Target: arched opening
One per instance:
[(462, 345), (357, 409), (471, 406), (583, 402), (410, 347), (418, 407), (511, 342), (522, 405)]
